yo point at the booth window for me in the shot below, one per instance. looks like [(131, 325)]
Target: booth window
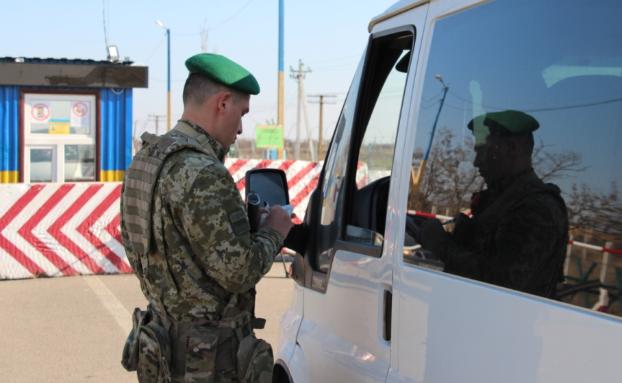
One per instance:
[(59, 137)]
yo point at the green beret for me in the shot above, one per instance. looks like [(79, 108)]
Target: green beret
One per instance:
[(224, 71), (506, 123)]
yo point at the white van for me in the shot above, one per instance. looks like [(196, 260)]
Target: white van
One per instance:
[(371, 304)]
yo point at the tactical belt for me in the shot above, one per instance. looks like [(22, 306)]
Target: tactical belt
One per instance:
[(230, 333)]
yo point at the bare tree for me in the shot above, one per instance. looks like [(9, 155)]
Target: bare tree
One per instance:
[(599, 212), (551, 165), (449, 179)]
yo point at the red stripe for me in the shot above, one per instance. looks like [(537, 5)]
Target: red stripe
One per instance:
[(307, 189), (263, 164), (286, 165), (427, 215), (45, 250), (55, 229), (113, 228), (85, 226), (291, 183), (7, 245), (236, 166), (304, 192), (613, 251)]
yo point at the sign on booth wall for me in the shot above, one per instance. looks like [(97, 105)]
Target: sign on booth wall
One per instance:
[(67, 115), (59, 137)]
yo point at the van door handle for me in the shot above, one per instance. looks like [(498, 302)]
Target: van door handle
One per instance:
[(386, 328)]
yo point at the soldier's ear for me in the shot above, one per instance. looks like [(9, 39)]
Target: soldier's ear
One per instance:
[(224, 99)]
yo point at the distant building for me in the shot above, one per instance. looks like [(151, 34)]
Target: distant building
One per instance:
[(66, 120)]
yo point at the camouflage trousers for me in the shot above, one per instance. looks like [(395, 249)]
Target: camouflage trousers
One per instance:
[(214, 355), (162, 352)]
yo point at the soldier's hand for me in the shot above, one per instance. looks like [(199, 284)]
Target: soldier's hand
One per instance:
[(279, 220), (464, 228)]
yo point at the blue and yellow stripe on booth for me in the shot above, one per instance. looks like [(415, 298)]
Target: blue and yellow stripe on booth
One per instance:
[(116, 133), (9, 134), (111, 175), (9, 176)]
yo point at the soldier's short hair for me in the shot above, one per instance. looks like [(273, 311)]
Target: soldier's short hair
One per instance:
[(199, 88)]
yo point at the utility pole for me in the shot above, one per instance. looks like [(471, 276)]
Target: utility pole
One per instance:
[(416, 177), (168, 73), (299, 75), (204, 35), (280, 113), (156, 118), (321, 100)]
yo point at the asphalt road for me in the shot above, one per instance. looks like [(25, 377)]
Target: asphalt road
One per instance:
[(73, 329)]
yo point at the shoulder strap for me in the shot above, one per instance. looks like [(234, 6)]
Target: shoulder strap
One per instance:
[(141, 179), (515, 195)]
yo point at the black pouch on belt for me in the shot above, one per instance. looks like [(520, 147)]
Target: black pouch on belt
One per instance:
[(147, 349), (255, 360), (129, 359)]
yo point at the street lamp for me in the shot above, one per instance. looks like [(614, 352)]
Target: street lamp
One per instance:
[(168, 73), (439, 78), (418, 175)]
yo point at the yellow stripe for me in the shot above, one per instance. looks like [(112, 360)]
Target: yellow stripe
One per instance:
[(9, 176), (416, 175), (111, 175)]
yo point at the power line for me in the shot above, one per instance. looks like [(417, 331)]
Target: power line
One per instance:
[(155, 50), (547, 109), (218, 25), (234, 15)]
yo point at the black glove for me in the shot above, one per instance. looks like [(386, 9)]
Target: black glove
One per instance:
[(433, 237), (465, 229)]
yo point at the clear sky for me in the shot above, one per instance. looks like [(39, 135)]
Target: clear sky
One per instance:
[(328, 36)]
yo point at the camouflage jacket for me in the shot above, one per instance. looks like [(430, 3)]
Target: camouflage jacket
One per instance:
[(204, 256), (517, 237)]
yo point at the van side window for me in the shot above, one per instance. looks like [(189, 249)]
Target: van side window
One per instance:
[(355, 183), (516, 174), (374, 159)]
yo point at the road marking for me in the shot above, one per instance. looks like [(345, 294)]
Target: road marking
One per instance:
[(110, 303)]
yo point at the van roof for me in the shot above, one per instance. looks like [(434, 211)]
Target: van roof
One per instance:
[(394, 10)]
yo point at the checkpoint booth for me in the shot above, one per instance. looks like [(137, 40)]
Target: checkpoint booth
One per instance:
[(66, 120), (65, 142)]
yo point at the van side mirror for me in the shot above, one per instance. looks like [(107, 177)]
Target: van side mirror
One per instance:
[(264, 187), (269, 184)]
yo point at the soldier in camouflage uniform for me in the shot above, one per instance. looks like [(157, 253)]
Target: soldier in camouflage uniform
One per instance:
[(518, 231), (187, 236)]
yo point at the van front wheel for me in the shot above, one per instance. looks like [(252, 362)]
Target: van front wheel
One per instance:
[(280, 375)]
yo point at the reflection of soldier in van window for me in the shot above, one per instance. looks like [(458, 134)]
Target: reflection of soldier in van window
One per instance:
[(518, 231)]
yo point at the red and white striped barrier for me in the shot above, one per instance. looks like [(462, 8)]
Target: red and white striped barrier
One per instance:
[(302, 177), (440, 217), (60, 229), (73, 229), (600, 249)]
